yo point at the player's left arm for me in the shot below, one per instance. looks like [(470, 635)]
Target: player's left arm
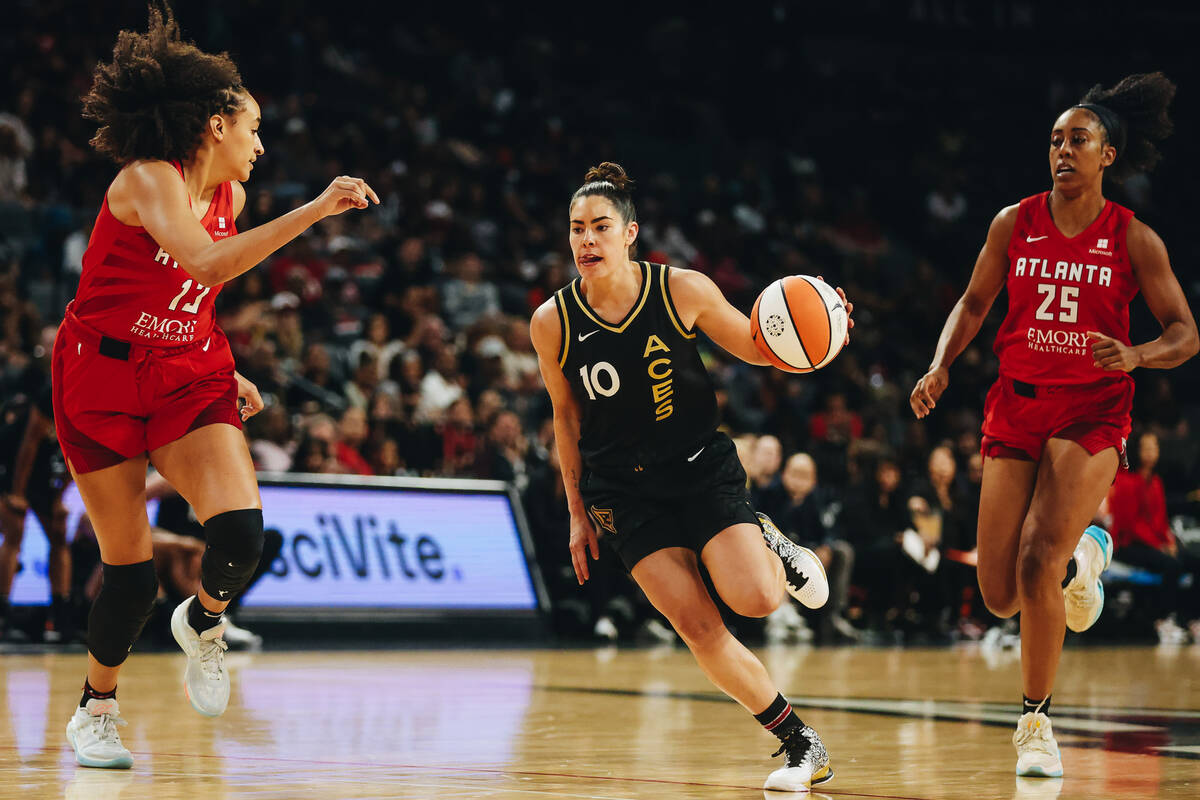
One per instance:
[(701, 305), (1179, 340)]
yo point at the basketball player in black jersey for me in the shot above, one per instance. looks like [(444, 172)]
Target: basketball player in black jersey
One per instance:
[(635, 420)]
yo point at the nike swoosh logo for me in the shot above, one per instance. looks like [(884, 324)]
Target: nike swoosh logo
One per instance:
[(583, 336), (697, 454), (1035, 238), (206, 342)]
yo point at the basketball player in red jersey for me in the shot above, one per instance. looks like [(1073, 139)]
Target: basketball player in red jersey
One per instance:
[(1056, 421), (140, 370)]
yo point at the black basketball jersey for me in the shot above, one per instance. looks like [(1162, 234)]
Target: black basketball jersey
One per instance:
[(643, 393)]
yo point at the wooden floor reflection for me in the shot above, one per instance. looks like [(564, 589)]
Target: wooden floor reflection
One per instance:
[(927, 725)]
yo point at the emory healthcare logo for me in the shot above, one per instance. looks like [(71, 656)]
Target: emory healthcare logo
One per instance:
[(1072, 343)]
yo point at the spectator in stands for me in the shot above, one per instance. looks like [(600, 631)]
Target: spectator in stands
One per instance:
[(766, 457), (270, 434), (1143, 537), (467, 298), (808, 515), (352, 434)]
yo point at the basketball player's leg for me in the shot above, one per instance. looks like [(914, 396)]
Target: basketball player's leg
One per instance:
[(115, 499), (747, 576), (1004, 499), (672, 582), (212, 469), (1071, 482)]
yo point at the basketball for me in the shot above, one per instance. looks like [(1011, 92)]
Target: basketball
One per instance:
[(799, 323)]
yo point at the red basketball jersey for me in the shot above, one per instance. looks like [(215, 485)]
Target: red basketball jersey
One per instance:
[(1060, 288), (131, 289)]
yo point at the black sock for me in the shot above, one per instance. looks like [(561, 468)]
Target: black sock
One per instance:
[(1072, 569), (89, 693), (1032, 706), (200, 618), (779, 718)]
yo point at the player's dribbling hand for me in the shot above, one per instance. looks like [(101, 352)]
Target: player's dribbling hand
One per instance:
[(928, 390), (252, 401), (1111, 354), (583, 539), (849, 309), (343, 194)]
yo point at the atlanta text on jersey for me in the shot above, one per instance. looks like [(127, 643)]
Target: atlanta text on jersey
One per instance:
[(1071, 271)]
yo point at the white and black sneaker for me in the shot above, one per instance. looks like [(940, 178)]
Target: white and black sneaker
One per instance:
[(805, 575), (807, 763)]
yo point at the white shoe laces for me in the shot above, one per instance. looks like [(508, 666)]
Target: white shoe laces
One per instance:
[(212, 657), (1035, 736), (104, 728)]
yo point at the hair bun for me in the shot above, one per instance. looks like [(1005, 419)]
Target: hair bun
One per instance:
[(611, 172)]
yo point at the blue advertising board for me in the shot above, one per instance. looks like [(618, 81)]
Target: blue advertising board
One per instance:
[(356, 547)]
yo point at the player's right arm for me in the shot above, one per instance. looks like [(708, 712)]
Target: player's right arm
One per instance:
[(545, 331), (987, 279), (149, 194)]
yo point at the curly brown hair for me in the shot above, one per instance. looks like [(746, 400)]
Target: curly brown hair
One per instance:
[(1141, 102), (155, 97)]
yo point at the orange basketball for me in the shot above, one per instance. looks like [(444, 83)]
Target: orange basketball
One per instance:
[(799, 323)]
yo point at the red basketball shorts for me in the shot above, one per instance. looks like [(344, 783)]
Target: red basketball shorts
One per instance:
[(1019, 417), (114, 400)]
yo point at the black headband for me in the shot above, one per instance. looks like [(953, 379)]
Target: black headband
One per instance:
[(1111, 122)]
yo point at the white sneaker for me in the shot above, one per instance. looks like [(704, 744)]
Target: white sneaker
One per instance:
[(92, 731), (205, 679), (239, 638), (605, 628), (1084, 595), (1037, 751), (1169, 631), (804, 572), (807, 763)]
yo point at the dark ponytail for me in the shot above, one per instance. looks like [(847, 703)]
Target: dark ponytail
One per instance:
[(1134, 116), (609, 180)]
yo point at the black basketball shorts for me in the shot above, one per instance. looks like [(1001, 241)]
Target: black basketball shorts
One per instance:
[(683, 503)]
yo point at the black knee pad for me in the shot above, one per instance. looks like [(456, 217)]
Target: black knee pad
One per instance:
[(120, 611), (235, 544)]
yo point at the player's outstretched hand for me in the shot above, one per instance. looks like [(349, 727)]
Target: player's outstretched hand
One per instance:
[(1110, 354), (344, 194), (252, 401), (849, 308), (928, 390), (583, 539)]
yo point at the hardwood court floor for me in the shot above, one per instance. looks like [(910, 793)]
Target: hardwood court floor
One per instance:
[(917, 724)]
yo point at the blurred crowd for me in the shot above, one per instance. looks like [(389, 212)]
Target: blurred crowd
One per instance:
[(395, 342)]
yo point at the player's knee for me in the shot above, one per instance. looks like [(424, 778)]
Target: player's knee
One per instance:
[(756, 601), (125, 602), (1000, 596), (699, 631), (234, 546), (1036, 561)]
